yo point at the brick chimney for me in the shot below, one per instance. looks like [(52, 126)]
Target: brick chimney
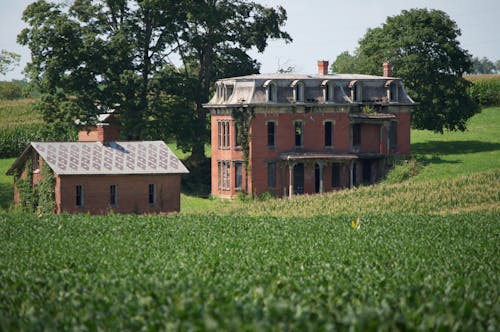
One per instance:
[(322, 67), (387, 69), (101, 132)]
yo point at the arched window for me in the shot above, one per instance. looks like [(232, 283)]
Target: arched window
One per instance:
[(298, 90), (328, 88), (392, 93), (271, 91), (356, 91)]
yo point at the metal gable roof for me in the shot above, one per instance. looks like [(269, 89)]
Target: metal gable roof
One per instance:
[(112, 158)]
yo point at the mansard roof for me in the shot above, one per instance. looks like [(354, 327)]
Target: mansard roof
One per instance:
[(254, 89)]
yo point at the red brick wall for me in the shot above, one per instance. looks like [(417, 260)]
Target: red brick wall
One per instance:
[(370, 138), (132, 193), (100, 133), (403, 133)]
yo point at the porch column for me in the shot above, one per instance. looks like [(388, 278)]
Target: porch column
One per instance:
[(291, 166), (321, 186), (351, 167)]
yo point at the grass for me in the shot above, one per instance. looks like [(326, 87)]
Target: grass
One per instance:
[(459, 153), (6, 184)]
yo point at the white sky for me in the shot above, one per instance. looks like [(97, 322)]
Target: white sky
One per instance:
[(321, 29)]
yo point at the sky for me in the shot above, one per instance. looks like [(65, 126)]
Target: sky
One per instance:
[(321, 29)]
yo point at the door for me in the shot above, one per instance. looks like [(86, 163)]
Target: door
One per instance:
[(298, 179), (367, 171), (316, 178)]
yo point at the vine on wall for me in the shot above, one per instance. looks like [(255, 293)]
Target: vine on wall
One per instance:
[(45, 191), (39, 198), (242, 119)]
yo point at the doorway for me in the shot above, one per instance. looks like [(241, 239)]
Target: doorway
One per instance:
[(298, 179)]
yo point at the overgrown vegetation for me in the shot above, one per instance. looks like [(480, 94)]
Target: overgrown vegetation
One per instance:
[(403, 169)]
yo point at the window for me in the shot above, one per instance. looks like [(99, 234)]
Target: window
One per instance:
[(329, 92), (271, 134), (356, 134), (223, 134), (298, 134), (112, 195), (335, 175), (356, 91), (237, 137), (328, 127), (298, 90), (272, 92), (393, 135), (224, 175), (238, 167), (152, 193), (79, 196), (271, 175)]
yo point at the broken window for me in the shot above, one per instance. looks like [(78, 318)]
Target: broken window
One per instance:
[(299, 139)]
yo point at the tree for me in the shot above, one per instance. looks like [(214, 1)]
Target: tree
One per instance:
[(497, 66), (344, 63), (94, 55), (8, 60), (422, 45), (482, 66)]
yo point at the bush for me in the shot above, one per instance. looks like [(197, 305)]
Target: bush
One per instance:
[(403, 170), (485, 89)]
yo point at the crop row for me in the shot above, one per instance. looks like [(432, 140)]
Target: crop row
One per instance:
[(242, 273)]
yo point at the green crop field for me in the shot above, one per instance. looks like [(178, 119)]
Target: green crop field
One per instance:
[(425, 256), (396, 272)]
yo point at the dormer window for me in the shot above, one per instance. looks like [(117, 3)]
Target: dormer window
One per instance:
[(328, 88), (298, 90), (271, 91), (219, 90), (356, 91), (228, 91), (392, 92)]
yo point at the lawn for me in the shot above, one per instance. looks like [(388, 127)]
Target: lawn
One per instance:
[(458, 153)]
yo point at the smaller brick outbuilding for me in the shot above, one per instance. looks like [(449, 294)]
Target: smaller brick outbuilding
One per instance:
[(98, 176)]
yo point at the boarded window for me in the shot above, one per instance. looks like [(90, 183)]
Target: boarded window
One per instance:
[(113, 195), (328, 127), (224, 175), (152, 193), (79, 196), (271, 175)]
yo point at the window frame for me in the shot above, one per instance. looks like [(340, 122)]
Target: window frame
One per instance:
[(271, 170), (238, 175), (79, 196), (331, 132), (268, 126), (296, 134), (356, 135), (336, 175), (113, 195), (393, 135), (152, 194)]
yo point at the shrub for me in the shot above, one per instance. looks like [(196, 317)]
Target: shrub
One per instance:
[(403, 170)]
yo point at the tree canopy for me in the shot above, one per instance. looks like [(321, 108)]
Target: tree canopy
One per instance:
[(422, 45), (484, 66), (153, 61), (8, 60)]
